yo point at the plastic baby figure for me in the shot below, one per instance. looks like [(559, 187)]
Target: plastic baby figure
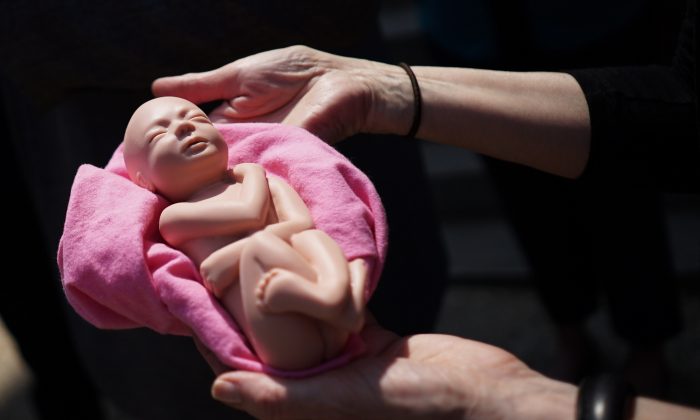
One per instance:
[(288, 285)]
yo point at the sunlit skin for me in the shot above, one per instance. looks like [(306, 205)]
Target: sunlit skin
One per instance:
[(287, 284)]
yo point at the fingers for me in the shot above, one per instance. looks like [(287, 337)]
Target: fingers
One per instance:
[(198, 87)]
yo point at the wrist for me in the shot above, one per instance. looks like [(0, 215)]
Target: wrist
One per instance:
[(541, 398), (391, 100)]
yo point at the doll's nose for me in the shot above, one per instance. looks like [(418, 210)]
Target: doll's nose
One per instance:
[(184, 128)]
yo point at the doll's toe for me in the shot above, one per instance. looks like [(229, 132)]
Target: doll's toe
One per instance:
[(262, 287)]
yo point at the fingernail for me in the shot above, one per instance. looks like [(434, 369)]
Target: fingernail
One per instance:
[(226, 391)]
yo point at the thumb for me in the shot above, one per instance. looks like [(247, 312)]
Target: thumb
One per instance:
[(198, 87), (258, 394)]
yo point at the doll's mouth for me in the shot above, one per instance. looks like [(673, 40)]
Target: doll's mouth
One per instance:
[(194, 145)]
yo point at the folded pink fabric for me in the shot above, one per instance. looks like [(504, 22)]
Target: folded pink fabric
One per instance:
[(118, 273)]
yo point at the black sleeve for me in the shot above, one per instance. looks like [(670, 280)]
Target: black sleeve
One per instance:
[(644, 120)]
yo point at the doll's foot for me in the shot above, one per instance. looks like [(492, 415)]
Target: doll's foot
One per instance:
[(271, 294), (261, 289)]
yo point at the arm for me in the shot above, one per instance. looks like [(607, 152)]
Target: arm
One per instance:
[(543, 120), (648, 409), (537, 119), (292, 214), (183, 221)]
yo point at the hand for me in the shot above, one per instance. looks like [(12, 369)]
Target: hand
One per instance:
[(423, 376), (334, 97), (220, 269)]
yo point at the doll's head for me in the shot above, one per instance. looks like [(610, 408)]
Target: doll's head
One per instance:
[(171, 147)]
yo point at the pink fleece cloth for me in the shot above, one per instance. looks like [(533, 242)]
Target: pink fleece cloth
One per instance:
[(117, 272)]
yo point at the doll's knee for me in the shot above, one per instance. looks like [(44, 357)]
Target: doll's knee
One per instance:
[(306, 236), (261, 238)]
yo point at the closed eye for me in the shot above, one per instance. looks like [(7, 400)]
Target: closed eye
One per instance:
[(200, 118), (156, 136)]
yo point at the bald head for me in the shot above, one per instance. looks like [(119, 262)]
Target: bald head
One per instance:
[(168, 139), (146, 119)]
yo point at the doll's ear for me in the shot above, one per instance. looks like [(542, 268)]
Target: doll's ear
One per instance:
[(143, 182)]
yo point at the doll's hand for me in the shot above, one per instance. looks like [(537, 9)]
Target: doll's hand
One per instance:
[(220, 269), (214, 276), (334, 97), (240, 171), (424, 376)]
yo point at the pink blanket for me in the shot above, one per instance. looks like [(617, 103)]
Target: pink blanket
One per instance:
[(118, 273)]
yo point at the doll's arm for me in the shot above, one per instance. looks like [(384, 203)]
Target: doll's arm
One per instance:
[(183, 221), (292, 214)]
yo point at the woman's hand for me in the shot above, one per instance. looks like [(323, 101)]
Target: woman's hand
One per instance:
[(424, 376), (334, 97)]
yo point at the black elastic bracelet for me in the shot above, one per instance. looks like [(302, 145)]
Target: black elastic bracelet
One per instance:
[(417, 100), (604, 397)]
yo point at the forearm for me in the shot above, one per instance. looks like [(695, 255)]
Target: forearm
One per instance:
[(255, 193), (544, 398), (182, 222), (648, 409), (292, 214), (536, 119)]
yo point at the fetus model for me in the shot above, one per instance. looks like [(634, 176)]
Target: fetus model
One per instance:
[(288, 286)]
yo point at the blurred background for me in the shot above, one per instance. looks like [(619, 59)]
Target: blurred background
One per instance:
[(493, 293)]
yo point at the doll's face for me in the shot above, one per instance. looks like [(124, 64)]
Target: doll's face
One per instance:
[(171, 147)]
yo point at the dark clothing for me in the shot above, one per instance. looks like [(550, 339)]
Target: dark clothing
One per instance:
[(583, 241), (599, 235), (51, 48), (644, 120)]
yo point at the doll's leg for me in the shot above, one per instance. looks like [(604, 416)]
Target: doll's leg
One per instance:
[(330, 297), (265, 253), (289, 341)]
